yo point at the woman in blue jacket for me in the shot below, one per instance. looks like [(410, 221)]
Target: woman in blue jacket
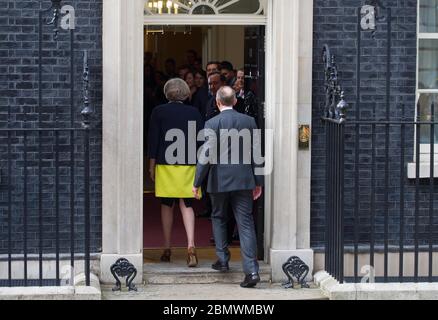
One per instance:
[(174, 172)]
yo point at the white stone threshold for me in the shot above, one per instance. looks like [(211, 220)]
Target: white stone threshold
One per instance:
[(76, 292), (177, 273), (333, 290), (213, 292)]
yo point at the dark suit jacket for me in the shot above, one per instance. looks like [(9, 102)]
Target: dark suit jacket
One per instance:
[(211, 109), (230, 176), (171, 116), (200, 101)]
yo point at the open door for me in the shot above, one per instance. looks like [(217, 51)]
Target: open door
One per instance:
[(255, 84)]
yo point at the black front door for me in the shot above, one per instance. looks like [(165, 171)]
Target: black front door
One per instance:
[(254, 105)]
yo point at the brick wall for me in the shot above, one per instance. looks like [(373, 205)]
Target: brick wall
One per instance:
[(19, 108), (335, 24)]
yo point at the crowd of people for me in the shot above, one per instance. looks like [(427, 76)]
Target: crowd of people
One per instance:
[(203, 84), (216, 98)]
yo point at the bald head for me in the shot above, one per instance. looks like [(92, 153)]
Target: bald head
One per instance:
[(226, 97)]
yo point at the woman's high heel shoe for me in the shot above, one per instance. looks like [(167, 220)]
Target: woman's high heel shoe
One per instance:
[(192, 259), (166, 255)]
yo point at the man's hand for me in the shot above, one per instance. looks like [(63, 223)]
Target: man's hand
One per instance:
[(196, 193), (152, 174), (257, 193)]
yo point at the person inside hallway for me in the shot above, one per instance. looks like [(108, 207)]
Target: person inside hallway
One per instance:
[(182, 71), (215, 81), (201, 79), (160, 81), (173, 183), (198, 65), (200, 99), (235, 184), (213, 66), (229, 73), (209, 110), (191, 58), (247, 100), (204, 95), (190, 80), (239, 85), (170, 68), (205, 102)]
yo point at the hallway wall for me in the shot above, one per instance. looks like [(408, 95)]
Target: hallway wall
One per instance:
[(228, 44)]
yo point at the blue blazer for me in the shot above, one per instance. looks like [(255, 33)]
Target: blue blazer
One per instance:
[(167, 117)]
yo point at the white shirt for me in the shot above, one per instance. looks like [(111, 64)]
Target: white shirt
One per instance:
[(226, 109)]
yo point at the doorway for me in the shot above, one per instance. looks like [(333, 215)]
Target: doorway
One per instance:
[(169, 51)]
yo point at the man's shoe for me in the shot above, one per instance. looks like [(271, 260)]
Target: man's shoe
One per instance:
[(221, 267), (250, 281)]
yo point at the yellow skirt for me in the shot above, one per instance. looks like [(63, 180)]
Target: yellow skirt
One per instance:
[(174, 181)]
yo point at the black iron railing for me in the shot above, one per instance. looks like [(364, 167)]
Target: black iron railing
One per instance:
[(46, 180), (381, 190), (334, 119)]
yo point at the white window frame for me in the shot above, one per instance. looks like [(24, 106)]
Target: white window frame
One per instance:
[(424, 148)]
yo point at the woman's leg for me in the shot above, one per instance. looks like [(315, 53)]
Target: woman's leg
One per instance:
[(167, 224), (189, 222)]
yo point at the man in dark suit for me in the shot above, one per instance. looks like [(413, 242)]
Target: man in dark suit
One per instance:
[(215, 82), (228, 71), (201, 99), (208, 109), (232, 179), (205, 99)]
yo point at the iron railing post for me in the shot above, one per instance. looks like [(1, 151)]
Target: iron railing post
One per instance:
[(334, 118), (86, 124)]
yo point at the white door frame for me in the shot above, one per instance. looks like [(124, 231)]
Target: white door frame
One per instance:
[(236, 20), (289, 43)]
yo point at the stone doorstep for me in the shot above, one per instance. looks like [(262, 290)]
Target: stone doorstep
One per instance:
[(177, 273), (77, 292), (174, 281), (213, 292), (375, 291)]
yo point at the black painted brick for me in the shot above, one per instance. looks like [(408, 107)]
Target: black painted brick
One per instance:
[(19, 96), (335, 24)]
